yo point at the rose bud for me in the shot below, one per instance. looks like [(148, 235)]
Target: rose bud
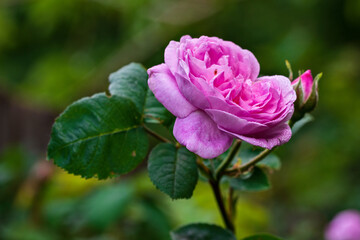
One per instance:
[(213, 88), (306, 88), (345, 226)]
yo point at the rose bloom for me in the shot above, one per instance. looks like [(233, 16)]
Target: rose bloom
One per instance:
[(344, 226), (213, 89)]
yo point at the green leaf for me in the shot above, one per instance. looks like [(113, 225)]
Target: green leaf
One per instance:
[(98, 136), (262, 237), (257, 181), (202, 231), (173, 170), (302, 122), (130, 82), (272, 161)]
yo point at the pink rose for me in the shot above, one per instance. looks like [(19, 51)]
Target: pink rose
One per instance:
[(213, 89), (345, 226), (306, 88), (306, 81)]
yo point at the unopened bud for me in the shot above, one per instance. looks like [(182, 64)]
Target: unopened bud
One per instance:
[(306, 88)]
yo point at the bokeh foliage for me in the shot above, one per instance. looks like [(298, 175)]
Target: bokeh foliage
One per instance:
[(54, 52)]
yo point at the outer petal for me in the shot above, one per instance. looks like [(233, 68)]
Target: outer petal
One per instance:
[(195, 96), (171, 56), (235, 124), (277, 136), (201, 135), (163, 84)]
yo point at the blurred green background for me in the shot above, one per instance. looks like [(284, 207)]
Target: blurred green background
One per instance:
[(53, 52)]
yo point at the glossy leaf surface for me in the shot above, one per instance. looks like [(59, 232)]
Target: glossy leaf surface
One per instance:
[(257, 181), (173, 170), (98, 136)]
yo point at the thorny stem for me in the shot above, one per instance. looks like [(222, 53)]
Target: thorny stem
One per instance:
[(156, 135)]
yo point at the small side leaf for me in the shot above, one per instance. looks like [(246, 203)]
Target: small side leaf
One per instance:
[(257, 181), (263, 236), (98, 136), (130, 82), (202, 231), (272, 161), (302, 122), (173, 171)]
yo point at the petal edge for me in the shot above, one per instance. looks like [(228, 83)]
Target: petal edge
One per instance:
[(163, 84), (200, 134)]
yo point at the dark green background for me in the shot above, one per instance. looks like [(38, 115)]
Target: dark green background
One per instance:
[(54, 52)]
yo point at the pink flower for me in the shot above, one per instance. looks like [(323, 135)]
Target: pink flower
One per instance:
[(345, 226), (306, 83), (306, 88), (213, 89)]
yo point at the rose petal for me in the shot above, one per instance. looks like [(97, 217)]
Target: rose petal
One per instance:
[(230, 107), (226, 105), (307, 83), (248, 65), (235, 124), (203, 87), (283, 84), (269, 139), (171, 56), (252, 65), (184, 38), (201, 135), (345, 225), (195, 96), (163, 84), (283, 116)]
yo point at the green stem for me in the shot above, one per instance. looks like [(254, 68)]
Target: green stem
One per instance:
[(224, 164), (231, 203), (204, 169), (220, 202), (215, 186), (250, 163), (156, 135)]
